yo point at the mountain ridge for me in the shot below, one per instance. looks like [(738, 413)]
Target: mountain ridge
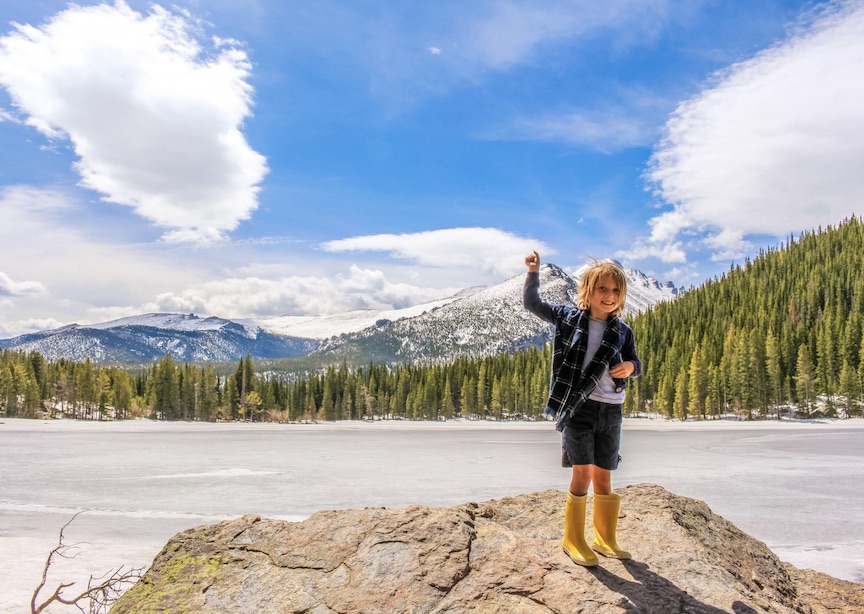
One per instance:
[(475, 321)]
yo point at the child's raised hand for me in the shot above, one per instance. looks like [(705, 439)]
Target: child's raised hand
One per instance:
[(532, 261)]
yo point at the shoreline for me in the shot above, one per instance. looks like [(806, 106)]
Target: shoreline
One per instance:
[(641, 422)]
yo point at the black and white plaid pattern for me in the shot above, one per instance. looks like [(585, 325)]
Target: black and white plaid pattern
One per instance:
[(570, 385)]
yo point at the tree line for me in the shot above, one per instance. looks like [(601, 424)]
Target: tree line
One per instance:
[(494, 387)]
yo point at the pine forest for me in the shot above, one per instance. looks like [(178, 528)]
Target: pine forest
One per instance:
[(780, 335)]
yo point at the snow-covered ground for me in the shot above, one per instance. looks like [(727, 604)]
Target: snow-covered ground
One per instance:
[(794, 485)]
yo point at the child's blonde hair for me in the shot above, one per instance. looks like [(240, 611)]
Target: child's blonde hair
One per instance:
[(590, 278)]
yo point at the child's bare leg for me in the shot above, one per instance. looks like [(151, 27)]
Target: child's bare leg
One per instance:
[(580, 479), (584, 475), (602, 479)]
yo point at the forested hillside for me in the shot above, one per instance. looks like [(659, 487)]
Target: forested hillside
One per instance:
[(503, 386), (783, 330), (780, 334)]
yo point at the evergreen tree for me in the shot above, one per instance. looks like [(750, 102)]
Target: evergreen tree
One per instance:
[(467, 397), (165, 401), (481, 403), (697, 384), (848, 388), (804, 381), (328, 403), (774, 370), (680, 403), (448, 409)]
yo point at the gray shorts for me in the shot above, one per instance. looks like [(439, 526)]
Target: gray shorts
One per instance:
[(592, 436)]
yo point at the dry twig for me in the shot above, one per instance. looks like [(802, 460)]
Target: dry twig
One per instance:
[(101, 592)]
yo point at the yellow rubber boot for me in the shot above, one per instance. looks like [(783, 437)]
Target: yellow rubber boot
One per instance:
[(606, 509), (574, 542)]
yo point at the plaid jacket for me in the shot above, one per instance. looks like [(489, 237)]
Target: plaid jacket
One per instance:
[(570, 385)]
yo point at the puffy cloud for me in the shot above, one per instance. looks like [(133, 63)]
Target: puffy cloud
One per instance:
[(773, 146), (9, 287), (311, 295), (153, 114), (47, 237), (9, 329), (490, 250), (668, 252)]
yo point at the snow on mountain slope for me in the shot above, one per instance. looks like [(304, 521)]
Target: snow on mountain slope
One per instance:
[(168, 321), (488, 321), (150, 337), (323, 327), (644, 292)]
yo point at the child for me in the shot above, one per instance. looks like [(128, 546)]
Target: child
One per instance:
[(593, 355)]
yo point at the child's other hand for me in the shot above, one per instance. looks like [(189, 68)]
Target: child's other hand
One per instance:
[(532, 261), (622, 370)]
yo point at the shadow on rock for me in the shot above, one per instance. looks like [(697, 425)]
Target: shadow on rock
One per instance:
[(650, 592)]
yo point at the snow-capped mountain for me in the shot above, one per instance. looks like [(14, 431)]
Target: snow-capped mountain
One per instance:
[(484, 322), (149, 337), (475, 322)]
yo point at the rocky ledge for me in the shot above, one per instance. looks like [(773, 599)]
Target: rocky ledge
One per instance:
[(498, 556)]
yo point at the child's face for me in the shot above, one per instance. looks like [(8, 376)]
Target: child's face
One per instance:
[(605, 298)]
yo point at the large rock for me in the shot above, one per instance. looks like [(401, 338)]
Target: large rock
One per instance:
[(497, 556)]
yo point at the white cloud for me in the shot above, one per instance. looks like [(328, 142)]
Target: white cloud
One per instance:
[(46, 239), (311, 295), (489, 250), (667, 252), (19, 327), (773, 146), (153, 115), (6, 116), (10, 287), (606, 130), (509, 32)]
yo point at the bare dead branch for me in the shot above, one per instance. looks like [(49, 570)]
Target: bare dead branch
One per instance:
[(99, 596)]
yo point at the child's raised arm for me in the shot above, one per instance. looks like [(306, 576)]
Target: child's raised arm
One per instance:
[(531, 291)]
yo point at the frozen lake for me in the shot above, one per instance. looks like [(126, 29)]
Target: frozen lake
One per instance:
[(795, 486)]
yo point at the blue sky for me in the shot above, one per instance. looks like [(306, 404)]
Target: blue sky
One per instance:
[(256, 158)]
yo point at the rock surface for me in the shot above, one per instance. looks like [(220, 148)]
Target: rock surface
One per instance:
[(498, 556)]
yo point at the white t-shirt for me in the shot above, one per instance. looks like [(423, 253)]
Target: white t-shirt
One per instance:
[(604, 392)]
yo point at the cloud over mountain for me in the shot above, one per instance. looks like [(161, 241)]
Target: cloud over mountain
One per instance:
[(771, 146), (489, 249)]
